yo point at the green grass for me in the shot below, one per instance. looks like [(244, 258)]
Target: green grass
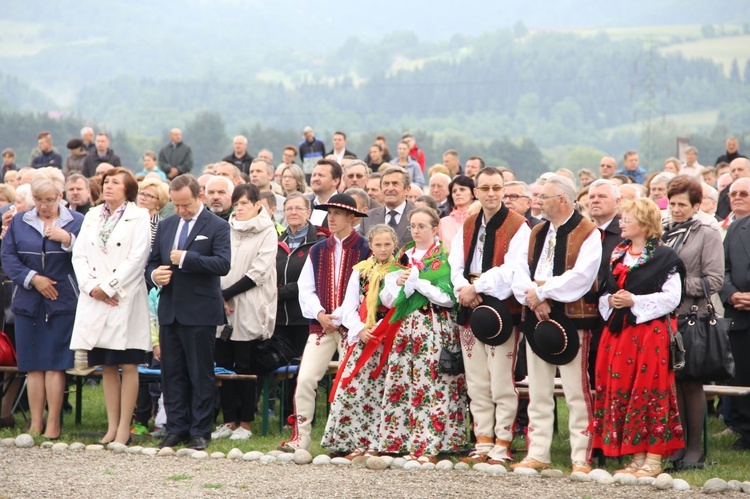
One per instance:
[(724, 463), (721, 49)]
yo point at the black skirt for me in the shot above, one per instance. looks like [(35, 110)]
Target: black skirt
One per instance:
[(107, 357)]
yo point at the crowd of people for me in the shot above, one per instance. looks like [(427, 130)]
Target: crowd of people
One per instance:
[(437, 288)]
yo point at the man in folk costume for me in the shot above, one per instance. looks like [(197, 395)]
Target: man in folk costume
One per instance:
[(484, 258), (563, 262), (322, 287)]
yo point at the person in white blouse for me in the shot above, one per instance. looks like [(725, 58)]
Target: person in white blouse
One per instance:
[(354, 420), (424, 408), (563, 262), (635, 405)]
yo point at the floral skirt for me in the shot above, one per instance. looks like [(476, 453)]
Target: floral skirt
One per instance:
[(424, 410), (354, 420), (635, 403)]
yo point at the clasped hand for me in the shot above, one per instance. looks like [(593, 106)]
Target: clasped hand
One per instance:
[(621, 299)]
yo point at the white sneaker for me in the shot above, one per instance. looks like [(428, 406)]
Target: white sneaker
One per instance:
[(241, 434), (222, 431)]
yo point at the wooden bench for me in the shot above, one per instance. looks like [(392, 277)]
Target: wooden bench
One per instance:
[(268, 380)]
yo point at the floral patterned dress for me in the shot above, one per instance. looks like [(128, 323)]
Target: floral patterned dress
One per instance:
[(354, 419), (424, 410), (635, 402)]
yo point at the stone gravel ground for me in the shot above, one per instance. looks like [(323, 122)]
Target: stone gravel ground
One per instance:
[(42, 473)]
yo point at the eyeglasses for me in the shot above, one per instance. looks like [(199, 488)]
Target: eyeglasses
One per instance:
[(545, 197), (46, 202), (513, 197), (626, 221), (742, 194), (290, 209), (417, 227), (486, 188), (146, 195)]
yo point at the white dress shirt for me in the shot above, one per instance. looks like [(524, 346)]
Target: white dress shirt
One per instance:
[(572, 284), (308, 296), (496, 281), (399, 213)]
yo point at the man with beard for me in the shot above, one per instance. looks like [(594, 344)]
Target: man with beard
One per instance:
[(219, 196)]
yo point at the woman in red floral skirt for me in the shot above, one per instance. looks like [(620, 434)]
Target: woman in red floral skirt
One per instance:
[(635, 405)]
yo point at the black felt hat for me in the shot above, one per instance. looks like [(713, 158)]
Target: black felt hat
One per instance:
[(554, 340), (342, 202), (75, 144), (491, 322)]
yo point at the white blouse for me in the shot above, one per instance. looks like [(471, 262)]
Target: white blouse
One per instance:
[(414, 283), (651, 306)]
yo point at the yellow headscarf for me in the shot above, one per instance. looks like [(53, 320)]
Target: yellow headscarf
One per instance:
[(374, 272)]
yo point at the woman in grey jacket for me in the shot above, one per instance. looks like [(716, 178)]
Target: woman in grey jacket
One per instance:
[(700, 247)]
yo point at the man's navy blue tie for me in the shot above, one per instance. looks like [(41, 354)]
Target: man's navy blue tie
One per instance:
[(183, 234)]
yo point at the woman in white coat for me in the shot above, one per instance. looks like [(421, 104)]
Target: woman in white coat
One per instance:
[(112, 320)]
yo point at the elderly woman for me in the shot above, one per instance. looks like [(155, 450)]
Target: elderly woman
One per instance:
[(153, 195), (36, 256), (635, 403), (460, 197), (293, 180), (249, 292), (699, 245), (293, 246), (112, 318)]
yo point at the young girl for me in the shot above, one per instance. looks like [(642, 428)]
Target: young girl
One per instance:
[(354, 420), (424, 410)]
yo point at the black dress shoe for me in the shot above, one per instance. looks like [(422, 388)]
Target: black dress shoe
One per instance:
[(172, 440), (740, 444), (197, 443)]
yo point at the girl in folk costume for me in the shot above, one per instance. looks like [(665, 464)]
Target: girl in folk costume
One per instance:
[(424, 410), (635, 405), (354, 420)]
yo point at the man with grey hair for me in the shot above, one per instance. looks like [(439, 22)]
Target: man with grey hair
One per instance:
[(77, 193), (517, 197), (266, 154), (691, 166), (564, 257), (240, 157), (439, 183), (657, 189), (710, 200), (395, 185), (219, 196), (356, 175), (363, 202), (630, 191), (604, 210), (176, 157), (738, 168), (87, 136)]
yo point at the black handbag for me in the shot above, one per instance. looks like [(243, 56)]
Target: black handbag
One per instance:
[(272, 354), (708, 354), (450, 362)]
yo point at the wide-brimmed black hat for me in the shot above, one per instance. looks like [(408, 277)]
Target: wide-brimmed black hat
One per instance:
[(75, 144), (342, 202), (554, 340), (491, 322)]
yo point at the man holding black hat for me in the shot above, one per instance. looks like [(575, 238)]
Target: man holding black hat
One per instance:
[(563, 262), (484, 257), (322, 286)]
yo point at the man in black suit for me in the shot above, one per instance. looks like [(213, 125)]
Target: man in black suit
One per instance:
[(395, 184), (339, 148), (190, 253), (604, 207), (735, 295)]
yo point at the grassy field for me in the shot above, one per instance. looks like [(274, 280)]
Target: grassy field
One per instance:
[(722, 50), (724, 463)]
